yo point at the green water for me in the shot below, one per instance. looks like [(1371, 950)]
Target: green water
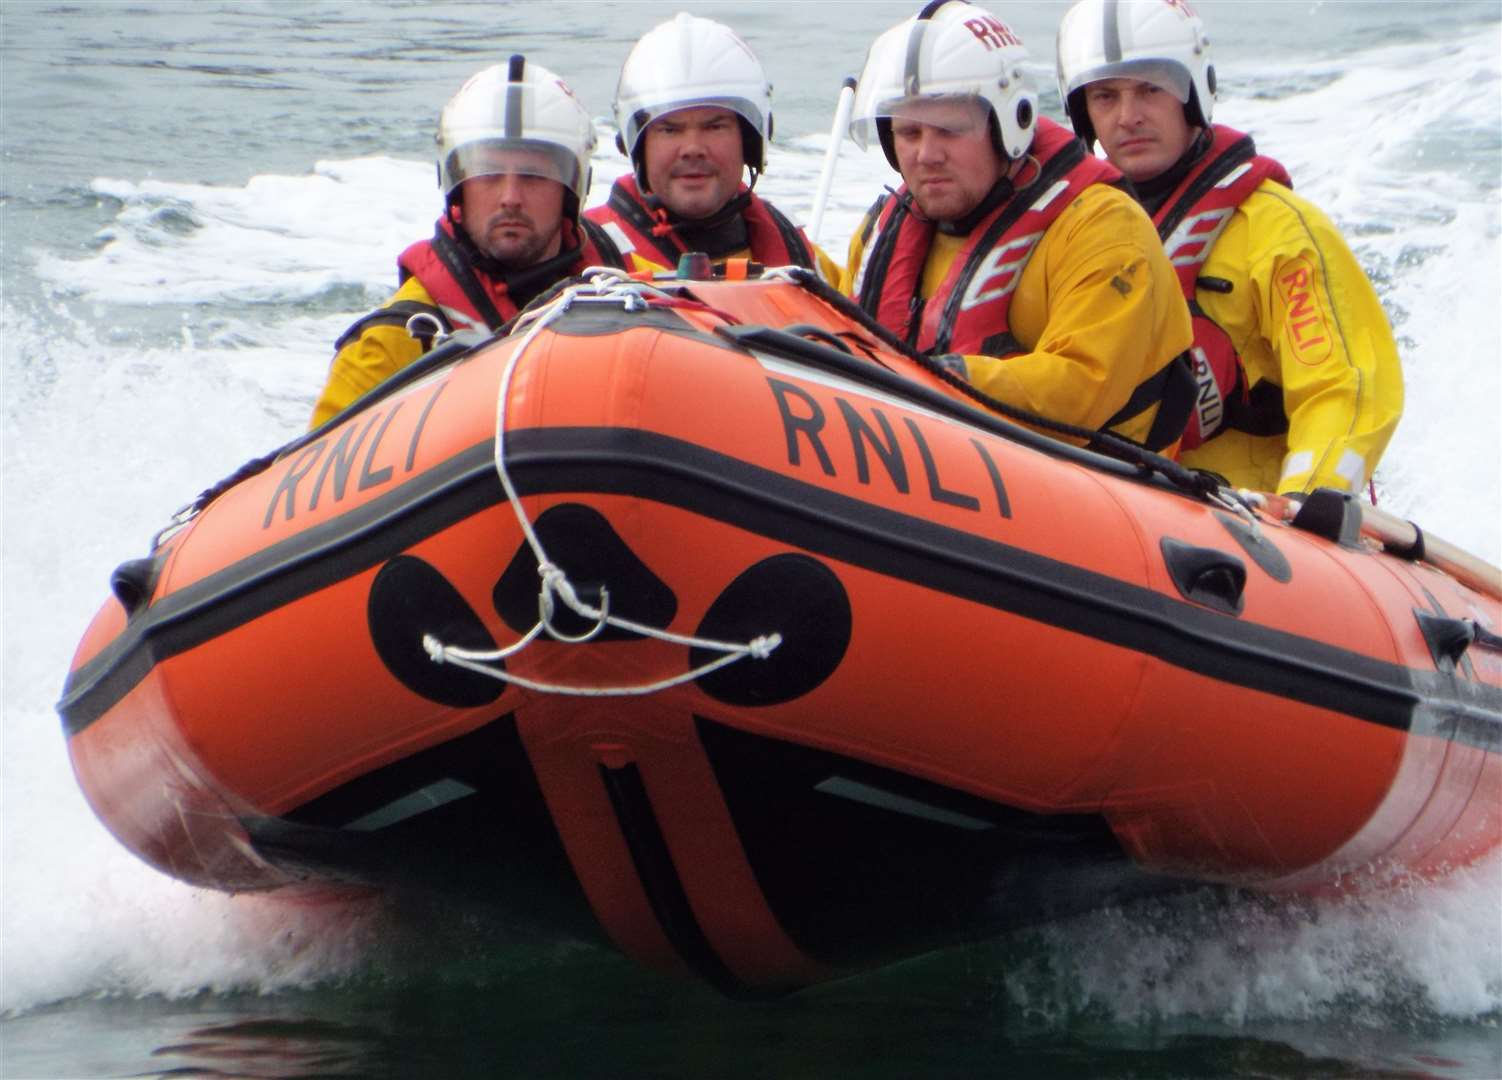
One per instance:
[(588, 1013)]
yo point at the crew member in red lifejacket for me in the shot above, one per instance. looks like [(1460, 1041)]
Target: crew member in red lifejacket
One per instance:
[(513, 162), (1300, 385), (694, 112), (1009, 251)]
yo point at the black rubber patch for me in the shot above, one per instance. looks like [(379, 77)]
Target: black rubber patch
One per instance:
[(792, 595), (410, 598), (1335, 515), (133, 583), (1205, 575), (584, 545), (602, 320), (1262, 550)]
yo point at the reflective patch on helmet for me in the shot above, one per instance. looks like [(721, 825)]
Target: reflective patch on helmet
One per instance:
[(1306, 330)]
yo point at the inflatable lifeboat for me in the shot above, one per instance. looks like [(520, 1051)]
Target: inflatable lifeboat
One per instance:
[(704, 617)]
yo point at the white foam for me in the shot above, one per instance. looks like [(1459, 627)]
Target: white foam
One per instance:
[(106, 435), (1416, 953)]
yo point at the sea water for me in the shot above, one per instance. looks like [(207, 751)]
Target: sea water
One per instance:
[(197, 198)]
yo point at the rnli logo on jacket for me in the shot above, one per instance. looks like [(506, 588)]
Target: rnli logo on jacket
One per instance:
[(1306, 331), (998, 275)]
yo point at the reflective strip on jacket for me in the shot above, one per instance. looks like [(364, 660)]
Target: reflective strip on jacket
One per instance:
[(1096, 314)]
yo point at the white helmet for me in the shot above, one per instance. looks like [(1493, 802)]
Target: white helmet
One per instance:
[(949, 49), (517, 118), (690, 62), (1162, 42)]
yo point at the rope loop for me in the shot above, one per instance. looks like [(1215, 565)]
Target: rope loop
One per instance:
[(610, 286)]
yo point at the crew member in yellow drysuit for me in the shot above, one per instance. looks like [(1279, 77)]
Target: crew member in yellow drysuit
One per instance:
[(1300, 385), (694, 109), (1009, 251), (513, 162)]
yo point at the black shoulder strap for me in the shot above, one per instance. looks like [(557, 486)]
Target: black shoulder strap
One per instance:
[(799, 249), (1173, 390), (878, 258), (1004, 343), (396, 313), (458, 265), (1260, 413)]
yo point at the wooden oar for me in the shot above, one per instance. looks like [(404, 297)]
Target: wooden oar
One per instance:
[(1404, 537)]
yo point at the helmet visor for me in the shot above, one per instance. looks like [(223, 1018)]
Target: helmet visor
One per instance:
[(508, 157), (909, 69), (637, 122), (958, 114), (1166, 75)]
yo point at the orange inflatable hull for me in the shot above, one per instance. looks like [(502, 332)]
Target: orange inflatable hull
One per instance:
[(1009, 678)]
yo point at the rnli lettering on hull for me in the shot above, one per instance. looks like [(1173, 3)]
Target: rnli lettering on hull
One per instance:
[(313, 475), (806, 426)]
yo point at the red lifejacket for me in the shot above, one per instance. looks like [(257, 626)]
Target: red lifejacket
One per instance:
[(969, 311), (1190, 221), (467, 295), (773, 239)]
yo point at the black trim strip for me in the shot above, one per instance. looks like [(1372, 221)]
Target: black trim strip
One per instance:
[(660, 881), (791, 511), (1111, 32)]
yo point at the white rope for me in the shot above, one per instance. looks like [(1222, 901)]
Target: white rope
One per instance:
[(790, 273), (1244, 504), (603, 285)]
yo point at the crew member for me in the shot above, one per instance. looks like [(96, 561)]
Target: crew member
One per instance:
[(694, 113), (1008, 250), (513, 163), (1300, 385)]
